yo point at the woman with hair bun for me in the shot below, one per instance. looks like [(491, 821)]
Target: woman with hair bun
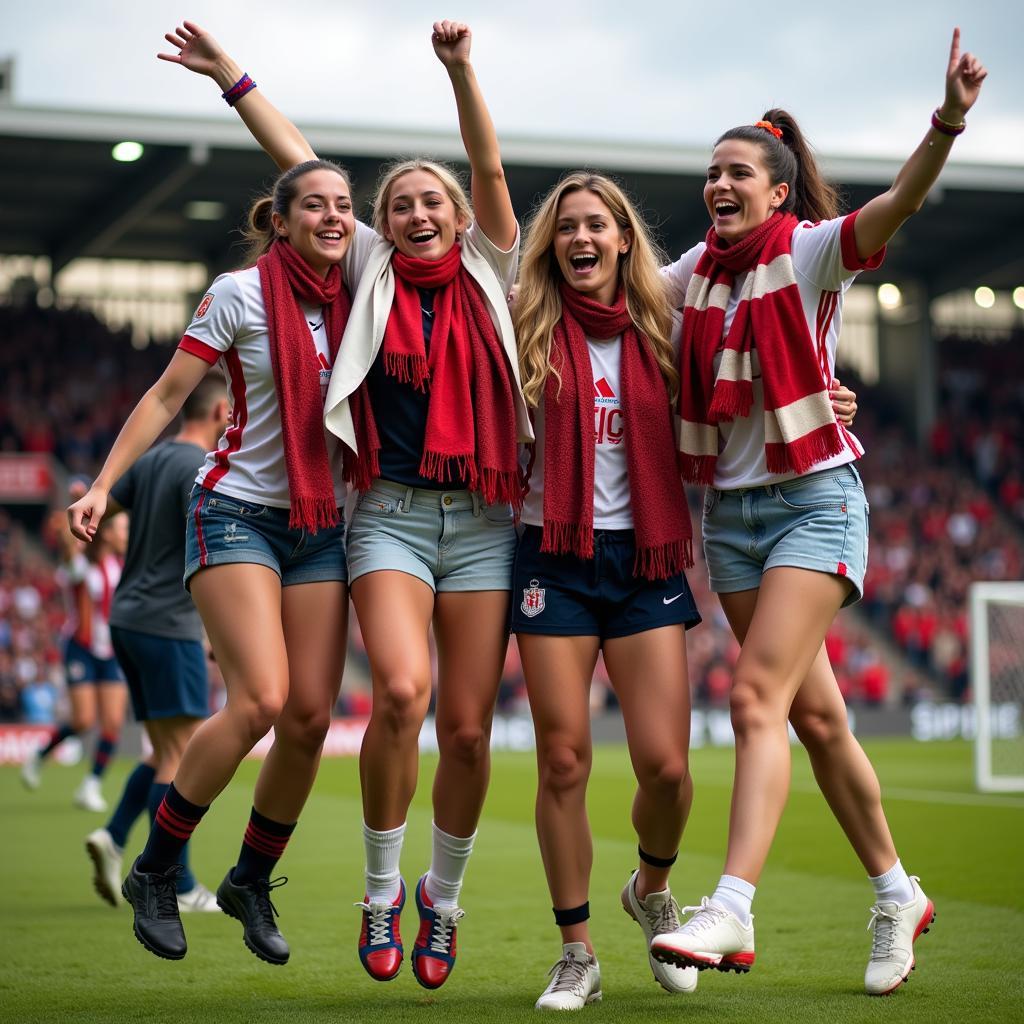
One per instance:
[(785, 517), (426, 398), (265, 556)]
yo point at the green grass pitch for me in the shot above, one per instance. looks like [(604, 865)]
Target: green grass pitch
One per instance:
[(66, 957)]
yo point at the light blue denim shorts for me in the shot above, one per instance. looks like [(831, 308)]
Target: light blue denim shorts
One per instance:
[(817, 521), (222, 529), (451, 540)]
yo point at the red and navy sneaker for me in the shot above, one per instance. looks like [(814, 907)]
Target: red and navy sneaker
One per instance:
[(380, 941), (433, 955)]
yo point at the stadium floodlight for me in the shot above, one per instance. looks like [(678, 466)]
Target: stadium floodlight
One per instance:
[(205, 209), (889, 296), (985, 297), (1018, 297), (127, 152), (997, 682)]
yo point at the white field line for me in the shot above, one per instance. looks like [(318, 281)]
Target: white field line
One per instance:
[(933, 796)]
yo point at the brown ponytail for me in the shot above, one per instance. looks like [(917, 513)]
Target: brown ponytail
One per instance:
[(259, 230), (791, 160)]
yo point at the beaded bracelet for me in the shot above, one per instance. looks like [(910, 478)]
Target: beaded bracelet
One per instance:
[(238, 90), (944, 127)]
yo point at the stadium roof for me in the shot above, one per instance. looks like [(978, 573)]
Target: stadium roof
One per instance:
[(63, 196)]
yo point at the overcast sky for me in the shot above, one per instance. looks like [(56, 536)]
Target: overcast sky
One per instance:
[(862, 78)]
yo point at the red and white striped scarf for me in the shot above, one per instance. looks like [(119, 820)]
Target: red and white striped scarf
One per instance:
[(799, 423)]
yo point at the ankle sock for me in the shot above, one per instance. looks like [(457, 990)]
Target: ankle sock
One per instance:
[(736, 895), (174, 822), (262, 847), (448, 861), (383, 853), (894, 886)]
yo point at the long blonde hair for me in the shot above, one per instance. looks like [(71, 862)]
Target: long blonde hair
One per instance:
[(444, 174), (539, 306)]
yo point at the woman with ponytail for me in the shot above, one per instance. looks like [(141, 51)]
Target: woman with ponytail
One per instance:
[(426, 398), (599, 566), (785, 517), (265, 557)]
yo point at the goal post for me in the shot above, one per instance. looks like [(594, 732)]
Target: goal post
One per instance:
[(997, 682)]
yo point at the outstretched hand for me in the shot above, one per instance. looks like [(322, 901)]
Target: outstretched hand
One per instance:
[(451, 41), (964, 76), (197, 49)]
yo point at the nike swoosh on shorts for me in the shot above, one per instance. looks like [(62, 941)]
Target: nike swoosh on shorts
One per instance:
[(669, 600)]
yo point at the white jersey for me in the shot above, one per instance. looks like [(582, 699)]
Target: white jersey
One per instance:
[(825, 262), (230, 329), (613, 508), (92, 585)]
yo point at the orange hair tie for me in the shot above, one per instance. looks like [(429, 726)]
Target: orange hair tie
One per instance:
[(769, 127)]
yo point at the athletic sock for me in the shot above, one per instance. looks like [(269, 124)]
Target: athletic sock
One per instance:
[(104, 751), (174, 822), (383, 852), (894, 885), (448, 860), (134, 799), (57, 737), (736, 895), (262, 848), (186, 880)]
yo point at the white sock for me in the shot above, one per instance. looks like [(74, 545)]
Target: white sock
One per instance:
[(894, 886), (383, 852), (448, 859), (736, 895)]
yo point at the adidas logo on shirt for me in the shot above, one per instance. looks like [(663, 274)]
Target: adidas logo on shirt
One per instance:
[(608, 427)]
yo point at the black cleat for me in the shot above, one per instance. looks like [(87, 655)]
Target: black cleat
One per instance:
[(250, 904), (154, 901)]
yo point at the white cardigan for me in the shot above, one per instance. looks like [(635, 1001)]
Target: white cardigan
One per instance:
[(493, 269)]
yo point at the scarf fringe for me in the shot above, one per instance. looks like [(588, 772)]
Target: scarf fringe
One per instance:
[(732, 398), (361, 470), (805, 452), (407, 369), (664, 560), (562, 538), (313, 514), (445, 468), (502, 487), (697, 469)]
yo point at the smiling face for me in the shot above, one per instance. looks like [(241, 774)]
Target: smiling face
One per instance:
[(320, 223), (588, 245), (422, 220), (739, 193)]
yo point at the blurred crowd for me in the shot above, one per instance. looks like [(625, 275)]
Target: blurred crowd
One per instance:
[(939, 520)]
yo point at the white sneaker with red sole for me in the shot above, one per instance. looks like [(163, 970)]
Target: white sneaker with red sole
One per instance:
[(712, 937), (895, 928)]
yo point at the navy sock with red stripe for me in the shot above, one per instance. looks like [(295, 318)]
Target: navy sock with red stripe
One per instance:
[(57, 737), (104, 751), (176, 819), (262, 848)]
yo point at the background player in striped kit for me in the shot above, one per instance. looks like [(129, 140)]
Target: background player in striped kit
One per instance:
[(265, 557), (763, 298), (157, 634), (94, 680)]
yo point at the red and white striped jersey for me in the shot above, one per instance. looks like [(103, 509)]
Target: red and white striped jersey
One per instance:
[(89, 592)]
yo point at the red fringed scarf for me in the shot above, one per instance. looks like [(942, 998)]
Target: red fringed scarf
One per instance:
[(471, 421), (285, 277), (800, 425), (661, 518)]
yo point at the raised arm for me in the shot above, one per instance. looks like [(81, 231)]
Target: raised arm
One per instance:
[(491, 202), (880, 218), (157, 407), (200, 52)]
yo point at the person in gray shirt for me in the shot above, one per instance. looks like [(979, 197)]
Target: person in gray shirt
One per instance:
[(157, 634)]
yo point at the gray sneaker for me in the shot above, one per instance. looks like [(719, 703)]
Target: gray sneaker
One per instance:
[(575, 980), (657, 914)]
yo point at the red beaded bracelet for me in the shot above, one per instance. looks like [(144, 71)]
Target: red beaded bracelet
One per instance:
[(944, 127)]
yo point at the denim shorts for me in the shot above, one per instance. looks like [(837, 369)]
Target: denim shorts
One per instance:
[(562, 595), (450, 540), (222, 529), (816, 521), (166, 677), (82, 666)]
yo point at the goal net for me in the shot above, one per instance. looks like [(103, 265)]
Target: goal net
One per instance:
[(997, 681)]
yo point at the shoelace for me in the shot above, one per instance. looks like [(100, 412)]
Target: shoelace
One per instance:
[(666, 919), (263, 887), (707, 915), (571, 974), (884, 926), (378, 925), (441, 934), (165, 890)]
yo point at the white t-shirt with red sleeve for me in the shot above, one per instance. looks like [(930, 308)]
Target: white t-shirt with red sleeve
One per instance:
[(229, 329), (825, 261), (99, 581)]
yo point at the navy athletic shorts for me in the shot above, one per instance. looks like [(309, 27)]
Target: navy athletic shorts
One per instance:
[(166, 678)]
